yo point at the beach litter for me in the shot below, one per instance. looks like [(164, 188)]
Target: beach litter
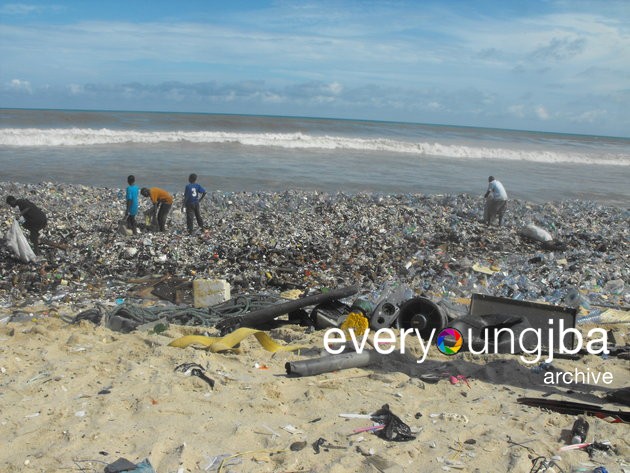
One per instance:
[(298, 446), (322, 240), (128, 317), (576, 408), (619, 396), (549, 465), (17, 242), (328, 363), (194, 369), (232, 340), (210, 292), (393, 427), (267, 314), (323, 444), (535, 233), (319, 242), (124, 465)]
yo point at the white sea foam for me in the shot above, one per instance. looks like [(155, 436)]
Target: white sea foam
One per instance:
[(34, 137)]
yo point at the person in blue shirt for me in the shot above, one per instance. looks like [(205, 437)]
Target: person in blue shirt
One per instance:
[(496, 201), (132, 203), (193, 195)]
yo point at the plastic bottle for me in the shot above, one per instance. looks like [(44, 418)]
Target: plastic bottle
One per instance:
[(594, 316), (579, 431), (575, 299), (614, 286)]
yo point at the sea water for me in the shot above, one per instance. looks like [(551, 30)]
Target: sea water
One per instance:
[(264, 153)]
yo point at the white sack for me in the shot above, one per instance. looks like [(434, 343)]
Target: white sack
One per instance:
[(536, 233), (17, 242)]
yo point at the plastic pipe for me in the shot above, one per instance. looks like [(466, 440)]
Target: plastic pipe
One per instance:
[(329, 363)]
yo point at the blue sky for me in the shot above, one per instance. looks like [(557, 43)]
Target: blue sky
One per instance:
[(556, 65)]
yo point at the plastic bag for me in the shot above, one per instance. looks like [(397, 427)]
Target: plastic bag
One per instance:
[(395, 429), (17, 242)]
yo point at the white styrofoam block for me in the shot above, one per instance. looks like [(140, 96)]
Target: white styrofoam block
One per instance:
[(209, 292)]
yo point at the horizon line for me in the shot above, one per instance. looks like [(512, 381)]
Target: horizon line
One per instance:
[(311, 118)]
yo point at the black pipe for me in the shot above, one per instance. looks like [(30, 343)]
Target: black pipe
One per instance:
[(267, 314)]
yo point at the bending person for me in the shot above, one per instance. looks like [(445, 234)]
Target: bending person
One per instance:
[(162, 202), (33, 218), (496, 201)]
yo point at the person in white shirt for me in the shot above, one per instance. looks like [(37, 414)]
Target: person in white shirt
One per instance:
[(496, 201)]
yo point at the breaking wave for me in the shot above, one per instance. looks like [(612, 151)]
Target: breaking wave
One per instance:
[(34, 137)]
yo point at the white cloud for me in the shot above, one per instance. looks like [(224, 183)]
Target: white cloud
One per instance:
[(335, 88), (18, 9), (26, 9), (20, 85), (271, 97), (541, 112), (75, 89), (590, 116)]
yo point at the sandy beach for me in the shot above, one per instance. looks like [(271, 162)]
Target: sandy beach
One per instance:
[(79, 396)]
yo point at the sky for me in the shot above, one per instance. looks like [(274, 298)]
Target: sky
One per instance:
[(543, 65)]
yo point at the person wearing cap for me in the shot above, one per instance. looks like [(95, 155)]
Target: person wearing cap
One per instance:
[(496, 201), (193, 195), (162, 202), (32, 217), (132, 203)]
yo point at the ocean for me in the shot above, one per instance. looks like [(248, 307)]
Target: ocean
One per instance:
[(263, 153)]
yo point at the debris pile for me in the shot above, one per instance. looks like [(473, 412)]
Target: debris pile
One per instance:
[(261, 242)]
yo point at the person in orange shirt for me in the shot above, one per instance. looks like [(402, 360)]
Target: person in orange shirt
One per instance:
[(162, 202)]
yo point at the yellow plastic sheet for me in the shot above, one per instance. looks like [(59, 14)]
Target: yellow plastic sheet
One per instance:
[(490, 270), (229, 341), (291, 294), (461, 300)]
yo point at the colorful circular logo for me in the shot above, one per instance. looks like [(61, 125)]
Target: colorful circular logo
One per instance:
[(449, 341)]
